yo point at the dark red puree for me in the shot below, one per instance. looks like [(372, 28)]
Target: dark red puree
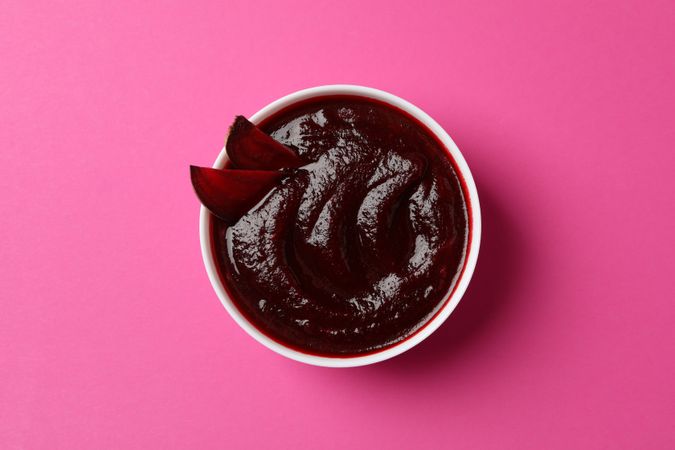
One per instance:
[(357, 249)]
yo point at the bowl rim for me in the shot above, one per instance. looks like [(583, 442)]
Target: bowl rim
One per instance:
[(450, 301)]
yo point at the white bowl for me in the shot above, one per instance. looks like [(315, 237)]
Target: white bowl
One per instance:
[(452, 298)]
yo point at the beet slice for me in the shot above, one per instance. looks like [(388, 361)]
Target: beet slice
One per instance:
[(229, 194), (248, 147)]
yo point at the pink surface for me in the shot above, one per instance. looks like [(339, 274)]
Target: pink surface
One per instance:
[(111, 336)]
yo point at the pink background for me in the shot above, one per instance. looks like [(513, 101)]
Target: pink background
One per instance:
[(111, 336)]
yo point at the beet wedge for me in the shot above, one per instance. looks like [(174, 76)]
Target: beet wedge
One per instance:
[(229, 194), (250, 148)]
